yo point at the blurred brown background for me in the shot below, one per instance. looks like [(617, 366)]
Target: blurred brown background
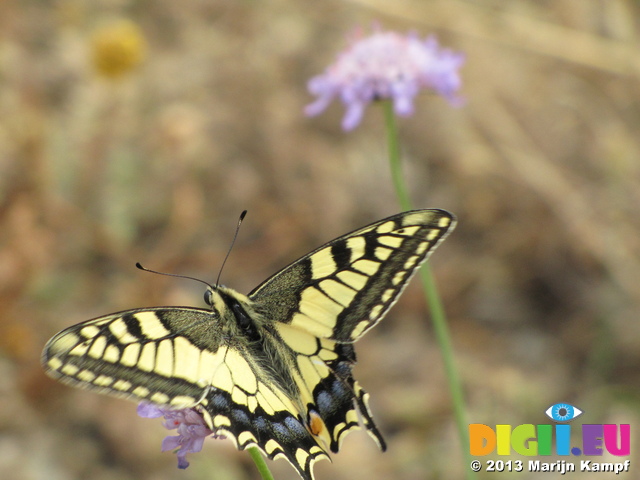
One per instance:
[(150, 152)]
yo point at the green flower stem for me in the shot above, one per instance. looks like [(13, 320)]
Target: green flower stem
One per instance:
[(438, 316), (394, 156), (258, 459)]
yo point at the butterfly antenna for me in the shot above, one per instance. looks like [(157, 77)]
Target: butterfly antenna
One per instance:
[(138, 265), (145, 269), (235, 235)]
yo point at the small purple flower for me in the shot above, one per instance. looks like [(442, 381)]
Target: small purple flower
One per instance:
[(386, 65), (191, 427)]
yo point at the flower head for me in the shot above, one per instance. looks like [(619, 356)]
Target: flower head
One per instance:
[(117, 48), (190, 425), (386, 65)]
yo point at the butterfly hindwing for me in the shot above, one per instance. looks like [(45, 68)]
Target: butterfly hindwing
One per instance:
[(272, 369), (335, 404), (277, 431)]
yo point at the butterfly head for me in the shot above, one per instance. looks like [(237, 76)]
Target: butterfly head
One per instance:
[(211, 296), (235, 309)]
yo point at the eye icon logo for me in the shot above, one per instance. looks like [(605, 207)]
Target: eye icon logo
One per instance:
[(563, 412)]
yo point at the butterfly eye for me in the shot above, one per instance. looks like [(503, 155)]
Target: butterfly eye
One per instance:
[(563, 412), (208, 297)]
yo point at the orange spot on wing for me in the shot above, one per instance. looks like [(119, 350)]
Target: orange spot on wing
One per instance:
[(316, 424)]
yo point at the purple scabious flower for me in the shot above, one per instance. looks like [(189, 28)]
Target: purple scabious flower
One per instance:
[(191, 427), (386, 65)]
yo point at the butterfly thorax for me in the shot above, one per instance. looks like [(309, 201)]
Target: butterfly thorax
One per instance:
[(249, 331)]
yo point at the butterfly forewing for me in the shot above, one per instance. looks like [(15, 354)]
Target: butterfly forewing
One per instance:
[(274, 369), (345, 287), (166, 355)]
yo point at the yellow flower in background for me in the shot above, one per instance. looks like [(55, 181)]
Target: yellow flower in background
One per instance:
[(117, 48)]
